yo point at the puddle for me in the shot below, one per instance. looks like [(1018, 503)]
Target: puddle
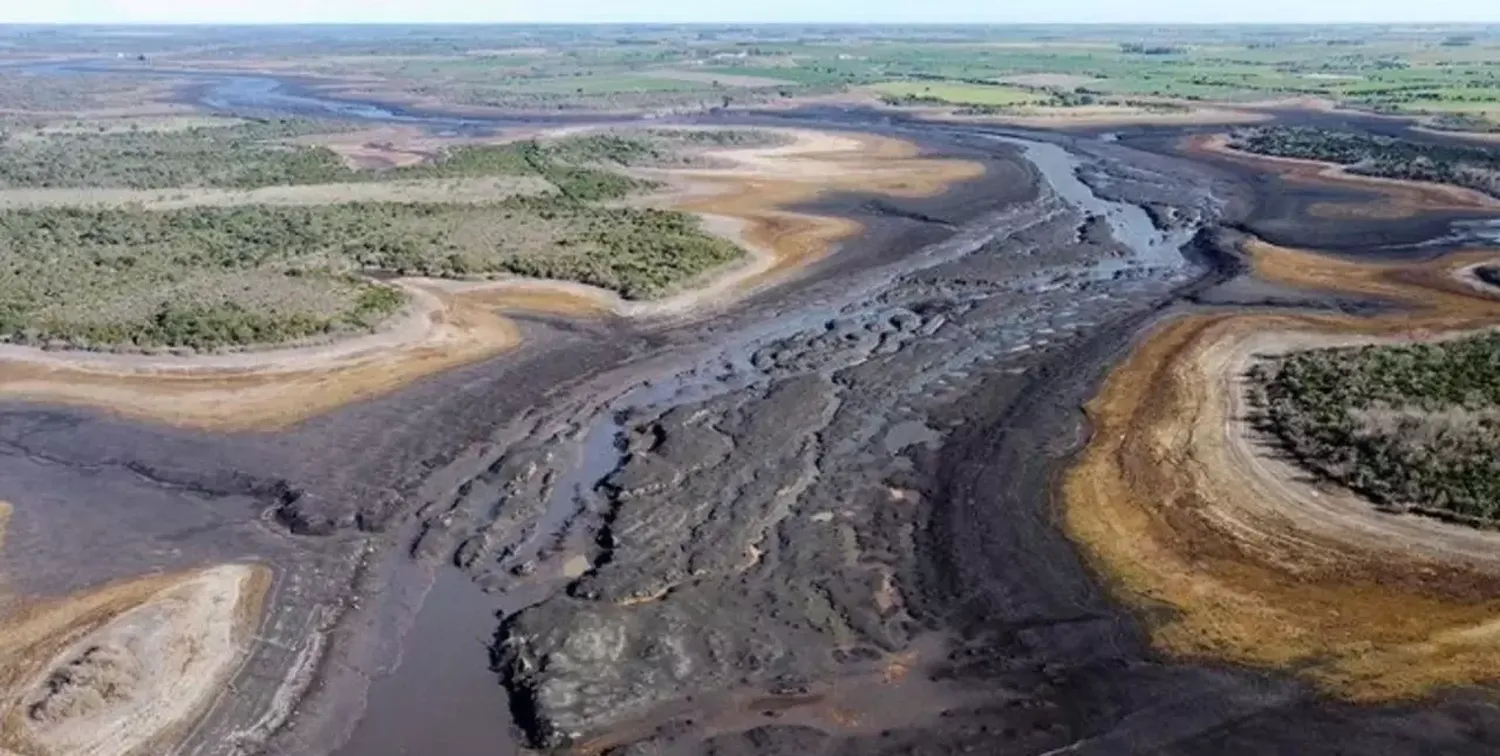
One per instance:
[(909, 433)]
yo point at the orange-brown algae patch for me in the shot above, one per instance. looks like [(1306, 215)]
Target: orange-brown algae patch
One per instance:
[(1230, 558)]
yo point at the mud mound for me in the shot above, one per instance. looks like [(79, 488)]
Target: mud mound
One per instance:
[(99, 677), (142, 661), (1489, 274)]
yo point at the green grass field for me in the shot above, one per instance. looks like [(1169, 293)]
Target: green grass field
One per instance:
[(1390, 69), (960, 93)]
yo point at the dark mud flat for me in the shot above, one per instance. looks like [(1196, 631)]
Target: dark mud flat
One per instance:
[(1280, 211), (820, 523), (755, 545)]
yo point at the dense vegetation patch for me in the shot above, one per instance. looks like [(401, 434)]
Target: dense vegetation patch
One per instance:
[(1472, 166), (1411, 427), (210, 277), (653, 147), (241, 156), (259, 154)]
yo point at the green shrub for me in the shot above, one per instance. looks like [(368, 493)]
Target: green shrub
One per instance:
[(1409, 426)]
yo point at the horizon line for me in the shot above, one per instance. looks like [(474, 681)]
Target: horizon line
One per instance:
[(639, 22)]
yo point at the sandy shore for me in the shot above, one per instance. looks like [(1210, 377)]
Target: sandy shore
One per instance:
[(1178, 500), (459, 323)]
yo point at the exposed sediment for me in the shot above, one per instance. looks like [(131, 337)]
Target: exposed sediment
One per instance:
[(1397, 198), (815, 522), (1180, 501), (756, 541), (452, 324), (127, 668)]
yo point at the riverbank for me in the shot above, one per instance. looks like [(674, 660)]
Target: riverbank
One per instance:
[(453, 324), (1400, 198), (1182, 505)]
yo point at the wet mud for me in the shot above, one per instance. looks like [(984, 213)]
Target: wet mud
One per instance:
[(821, 522)]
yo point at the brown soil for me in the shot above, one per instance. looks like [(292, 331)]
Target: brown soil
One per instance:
[(761, 181), (1234, 554), (1400, 198), (276, 389)]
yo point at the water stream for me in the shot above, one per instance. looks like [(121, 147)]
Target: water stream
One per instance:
[(1129, 223), (440, 699)]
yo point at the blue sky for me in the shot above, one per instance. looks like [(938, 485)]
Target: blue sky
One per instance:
[(902, 11)]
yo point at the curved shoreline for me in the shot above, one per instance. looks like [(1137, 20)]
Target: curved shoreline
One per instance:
[(1403, 198), (1175, 503), (460, 323)]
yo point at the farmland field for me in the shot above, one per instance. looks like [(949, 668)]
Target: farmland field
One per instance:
[(959, 93)]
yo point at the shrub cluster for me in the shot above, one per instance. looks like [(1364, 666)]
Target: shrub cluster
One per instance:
[(208, 277), (1471, 166), (1408, 426)]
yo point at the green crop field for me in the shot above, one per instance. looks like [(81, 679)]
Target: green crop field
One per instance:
[(960, 93)]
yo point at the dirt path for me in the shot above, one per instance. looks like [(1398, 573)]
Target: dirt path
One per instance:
[(459, 323), (1177, 500)]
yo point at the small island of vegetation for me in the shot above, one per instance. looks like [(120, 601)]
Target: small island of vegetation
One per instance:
[(212, 277), (1412, 427), (1470, 166)]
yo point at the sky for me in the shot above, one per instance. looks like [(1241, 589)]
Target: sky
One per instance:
[(716, 11)]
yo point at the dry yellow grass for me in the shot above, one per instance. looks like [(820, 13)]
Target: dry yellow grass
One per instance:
[(1172, 503)]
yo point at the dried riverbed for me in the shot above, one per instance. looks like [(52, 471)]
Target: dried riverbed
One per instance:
[(818, 522)]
